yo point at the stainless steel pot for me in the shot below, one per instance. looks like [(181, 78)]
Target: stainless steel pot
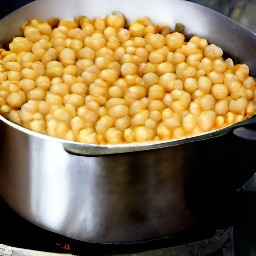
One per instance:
[(112, 193)]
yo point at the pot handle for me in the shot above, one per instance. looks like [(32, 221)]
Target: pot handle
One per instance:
[(247, 129)]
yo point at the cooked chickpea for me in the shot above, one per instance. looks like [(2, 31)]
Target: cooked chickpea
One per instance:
[(67, 57), (137, 29), (189, 122), (206, 120), (157, 56), (220, 91), (238, 106), (16, 99), (54, 69), (175, 40), (156, 92), (142, 133), (213, 52), (221, 107), (88, 135), (115, 20), (20, 44), (190, 85)]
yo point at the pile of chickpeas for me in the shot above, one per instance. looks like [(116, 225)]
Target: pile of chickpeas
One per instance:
[(107, 81)]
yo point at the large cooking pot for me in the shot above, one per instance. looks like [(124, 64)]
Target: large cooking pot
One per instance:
[(129, 192)]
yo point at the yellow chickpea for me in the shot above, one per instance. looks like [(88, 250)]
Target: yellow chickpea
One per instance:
[(137, 29), (206, 102), (129, 69), (150, 79), (20, 44), (176, 57), (207, 65), (115, 20), (221, 107), (157, 56), (220, 91), (165, 67), (206, 120), (135, 93), (190, 85), (238, 106), (27, 85), (156, 92), (204, 84), (156, 40), (16, 99), (213, 52), (189, 122), (36, 94), (241, 72), (12, 66), (88, 136), (109, 75), (164, 132), (129, 135), (140, 118), (122, 123), (54, 69), (175, 40), (104, 123), (67, 57), (114, 136)]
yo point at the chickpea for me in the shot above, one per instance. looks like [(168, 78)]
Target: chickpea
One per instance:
[(87, 135), (67, 57), (220, 91), (213, 52), (163, 132), (114, 136), (142, 133), (129, 69), (157, 56), (206, 120), (36, 94), (150, 79), (238, 106), (190, 85), (122, 123), (173, 121), (156, 92), (115, 20), (129, 135), (104, 123), (54, 69), (16, 99), (20, 44), (241, 72), (175, 40), (189, 122), (137, 29), (221, 107)]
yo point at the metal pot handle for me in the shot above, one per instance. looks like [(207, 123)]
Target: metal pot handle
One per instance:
[(245, 131)]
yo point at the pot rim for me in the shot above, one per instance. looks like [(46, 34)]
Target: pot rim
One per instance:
[(79, 148)]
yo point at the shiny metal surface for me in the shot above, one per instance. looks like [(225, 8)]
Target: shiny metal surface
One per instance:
[(116, 197), (109, 198)]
